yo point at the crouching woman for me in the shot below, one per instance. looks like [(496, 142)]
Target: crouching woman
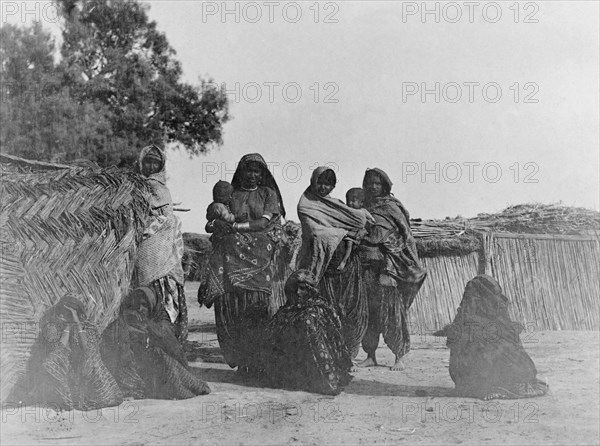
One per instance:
[(143, 354)]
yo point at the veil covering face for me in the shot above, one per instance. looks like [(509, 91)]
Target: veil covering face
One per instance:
[(487, 358)]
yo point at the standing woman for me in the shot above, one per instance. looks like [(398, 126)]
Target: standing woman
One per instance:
[(326, 222), (241, 275), (159, 255), (392, 271)]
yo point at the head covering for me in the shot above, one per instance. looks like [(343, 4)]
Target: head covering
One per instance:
[(387, 183), (153, 152), (355, 193), (144, 293), (301, 276), (483, 296), (70, 300), (325, 222), (161, 196), (317, 173), (267, 177), (222, 191)]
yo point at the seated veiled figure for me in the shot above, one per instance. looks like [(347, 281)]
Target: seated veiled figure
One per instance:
[(66, 370), (305, 348), (487, 358), (143, 354)]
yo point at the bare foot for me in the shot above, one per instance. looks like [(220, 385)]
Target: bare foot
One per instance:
[(398, 367), (369, 362)]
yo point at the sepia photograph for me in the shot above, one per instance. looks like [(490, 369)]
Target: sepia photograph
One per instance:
[(311, 222)]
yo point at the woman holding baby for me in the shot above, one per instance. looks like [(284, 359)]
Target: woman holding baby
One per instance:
[(331, 231), (242, 274)]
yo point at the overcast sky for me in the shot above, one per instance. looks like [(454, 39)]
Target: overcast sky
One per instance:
[(347, 91)]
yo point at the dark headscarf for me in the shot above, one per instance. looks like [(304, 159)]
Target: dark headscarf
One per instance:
[(387, 190), (301, 276), (267, 178), (487, 358), (145, 293), (385, 179), (318, 173), (69, 300), (159, 330), (483, 305)]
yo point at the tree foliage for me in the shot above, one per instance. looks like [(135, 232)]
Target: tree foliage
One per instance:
[(116, 88)]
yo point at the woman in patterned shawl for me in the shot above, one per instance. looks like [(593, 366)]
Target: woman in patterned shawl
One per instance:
[(487, 358), (143, 354), (393, 273), (242, 273), (306, 348), (325, 223), (66, 369), (158, 263)]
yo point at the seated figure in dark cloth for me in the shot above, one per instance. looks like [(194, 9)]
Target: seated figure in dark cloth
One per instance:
[(143, 354), (65, 369), (487, 358), (305, 348)]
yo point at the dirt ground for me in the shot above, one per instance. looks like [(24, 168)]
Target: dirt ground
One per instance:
[(415, 406)]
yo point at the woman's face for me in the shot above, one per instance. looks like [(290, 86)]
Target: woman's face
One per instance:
[(302, 292), (150, 166), (252, 175), (374, 186), (141, 306), (324, 186)]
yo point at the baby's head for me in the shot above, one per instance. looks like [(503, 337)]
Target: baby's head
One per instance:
[(222, 192), (355, 198)]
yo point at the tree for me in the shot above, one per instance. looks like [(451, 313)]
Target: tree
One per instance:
[(39, 118), (119, 86)]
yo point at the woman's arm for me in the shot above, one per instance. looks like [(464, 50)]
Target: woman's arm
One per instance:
[(252, 226)]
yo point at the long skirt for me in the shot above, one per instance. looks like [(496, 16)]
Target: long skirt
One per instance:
[(347, 291), (241, 317)]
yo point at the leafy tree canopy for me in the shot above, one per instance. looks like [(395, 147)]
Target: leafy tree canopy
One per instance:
[(116, 88)]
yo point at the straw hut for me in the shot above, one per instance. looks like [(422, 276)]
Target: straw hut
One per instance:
[(63, 229)]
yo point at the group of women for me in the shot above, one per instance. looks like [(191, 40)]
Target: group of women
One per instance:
[(357, 275), (332, 303)]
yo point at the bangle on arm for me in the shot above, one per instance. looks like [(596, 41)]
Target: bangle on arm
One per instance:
[(242, 227)]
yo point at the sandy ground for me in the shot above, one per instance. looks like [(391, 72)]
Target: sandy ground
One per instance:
[(378, 407)]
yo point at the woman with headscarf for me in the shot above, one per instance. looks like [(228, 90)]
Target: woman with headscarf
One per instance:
[(392, 270), (159, 255), (66, 370), (487, 358), (306, 348), (242, 274), (326, 222), (143, 354)]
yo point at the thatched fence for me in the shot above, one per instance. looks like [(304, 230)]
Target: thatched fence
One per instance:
[(551, 274), (63, 229)]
